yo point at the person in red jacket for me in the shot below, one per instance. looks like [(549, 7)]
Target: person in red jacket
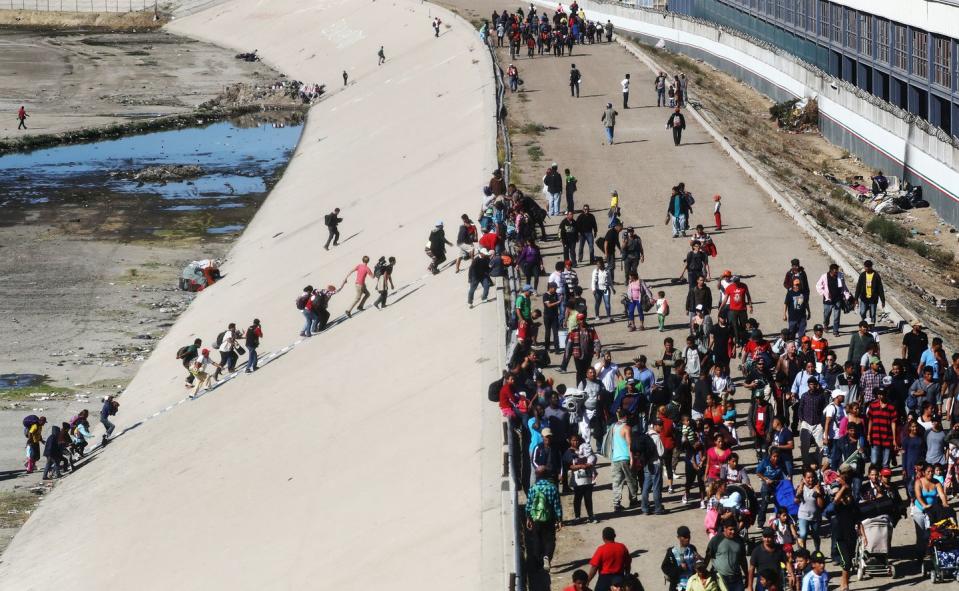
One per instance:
[(507, 397), (22, 116)]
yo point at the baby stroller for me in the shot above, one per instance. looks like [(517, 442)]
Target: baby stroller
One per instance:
[(872, 554), (746, 511), (943, 550)]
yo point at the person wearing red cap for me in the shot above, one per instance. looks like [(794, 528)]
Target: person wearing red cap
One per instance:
[(201, 371)]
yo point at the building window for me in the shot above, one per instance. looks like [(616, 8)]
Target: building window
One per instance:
[(790, 14), (810, 7), (865, 35), (824, 19), (882, 41), (852, 41), (943, 71), (899, 48), (837, 23), (779, 8), (920, 53)]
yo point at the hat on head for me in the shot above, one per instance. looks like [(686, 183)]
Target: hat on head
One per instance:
[(837, 392), (806, 340), (885, 472), (547, 432), (699, 307), (440, 223), (527, 287), (818, 327), (817, 557), (873, 360), (727, 273), (206, 351), (484, 252)]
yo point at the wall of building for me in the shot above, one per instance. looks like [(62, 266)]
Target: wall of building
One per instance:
[(881, 135)]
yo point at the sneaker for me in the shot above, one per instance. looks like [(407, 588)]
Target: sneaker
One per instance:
[(546, 564), (669, 489), (618, 509), (702, 504), (592, 520), (684, 500), (661, 512)]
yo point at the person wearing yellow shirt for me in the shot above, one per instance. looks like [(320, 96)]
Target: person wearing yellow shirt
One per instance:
[(869, 292), (34, 439), (703, 580)]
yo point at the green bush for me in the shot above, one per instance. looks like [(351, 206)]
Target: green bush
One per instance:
[(889, 231), (535, 153), (938, 256)]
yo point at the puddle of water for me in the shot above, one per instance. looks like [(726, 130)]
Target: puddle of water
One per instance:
[(235, 228), (9, 381)]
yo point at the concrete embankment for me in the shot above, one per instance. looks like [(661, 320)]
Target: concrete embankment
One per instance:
[(353, 459)]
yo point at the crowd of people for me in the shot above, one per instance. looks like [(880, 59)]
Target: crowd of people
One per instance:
[(67, 443), (541, 35), (782, 436)]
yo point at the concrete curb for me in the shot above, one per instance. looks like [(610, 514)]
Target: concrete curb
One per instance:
[(897, 311)]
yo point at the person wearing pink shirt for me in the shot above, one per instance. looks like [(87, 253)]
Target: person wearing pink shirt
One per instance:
[(362, 293)]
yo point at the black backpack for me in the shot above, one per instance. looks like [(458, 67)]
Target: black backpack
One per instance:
[(219, 339), (329, 219), (493, 391), (301, 302), (181, 352)]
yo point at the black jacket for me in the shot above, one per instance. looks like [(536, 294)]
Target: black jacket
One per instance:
[(878, 294), (586, 224), (479, 268), (553, 181), (53, 449), (706, 296), (682, 121), (683, 204)]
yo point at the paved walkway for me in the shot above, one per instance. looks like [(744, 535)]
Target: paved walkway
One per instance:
[(757, 243)]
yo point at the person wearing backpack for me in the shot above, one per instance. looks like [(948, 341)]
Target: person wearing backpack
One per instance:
[(466, 238), (303, 305), (253, 335), (676, 122), (229, 349), (332, 221), (652, 450), (384, 281), (186, 355), (544, 517), (679, 562), (33, 430), (53, 452)]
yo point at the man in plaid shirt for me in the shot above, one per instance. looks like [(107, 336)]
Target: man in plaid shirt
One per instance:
[(581, 344), (882, 428), (870, 381)]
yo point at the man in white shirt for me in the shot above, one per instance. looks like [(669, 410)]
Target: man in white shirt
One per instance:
[(557, 278), (625, 85), (609, 372)]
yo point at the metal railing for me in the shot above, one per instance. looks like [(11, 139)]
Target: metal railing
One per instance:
[(510, 284)]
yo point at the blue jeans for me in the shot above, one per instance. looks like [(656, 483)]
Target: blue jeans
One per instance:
[(108, 426), (679, 225), (828, 309), (867, 309), (310, 322), (809, 527), (600, 296), (766, 493), (653, 480), (661, 98), (632, 307), (513, 83), (485, 281), (586, 238), (252, 358), (877, 453), (609, 134)]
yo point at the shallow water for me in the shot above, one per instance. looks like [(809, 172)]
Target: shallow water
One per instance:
[(235, 161), (9, 381), (240, 161)]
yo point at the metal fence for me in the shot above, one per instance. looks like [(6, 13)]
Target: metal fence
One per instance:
[(510, 284), (79, 5)]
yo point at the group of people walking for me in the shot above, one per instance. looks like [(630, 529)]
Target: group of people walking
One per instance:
[(783, 436)]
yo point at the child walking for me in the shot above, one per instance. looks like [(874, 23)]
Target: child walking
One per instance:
[(716, 213), (662, 310)]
